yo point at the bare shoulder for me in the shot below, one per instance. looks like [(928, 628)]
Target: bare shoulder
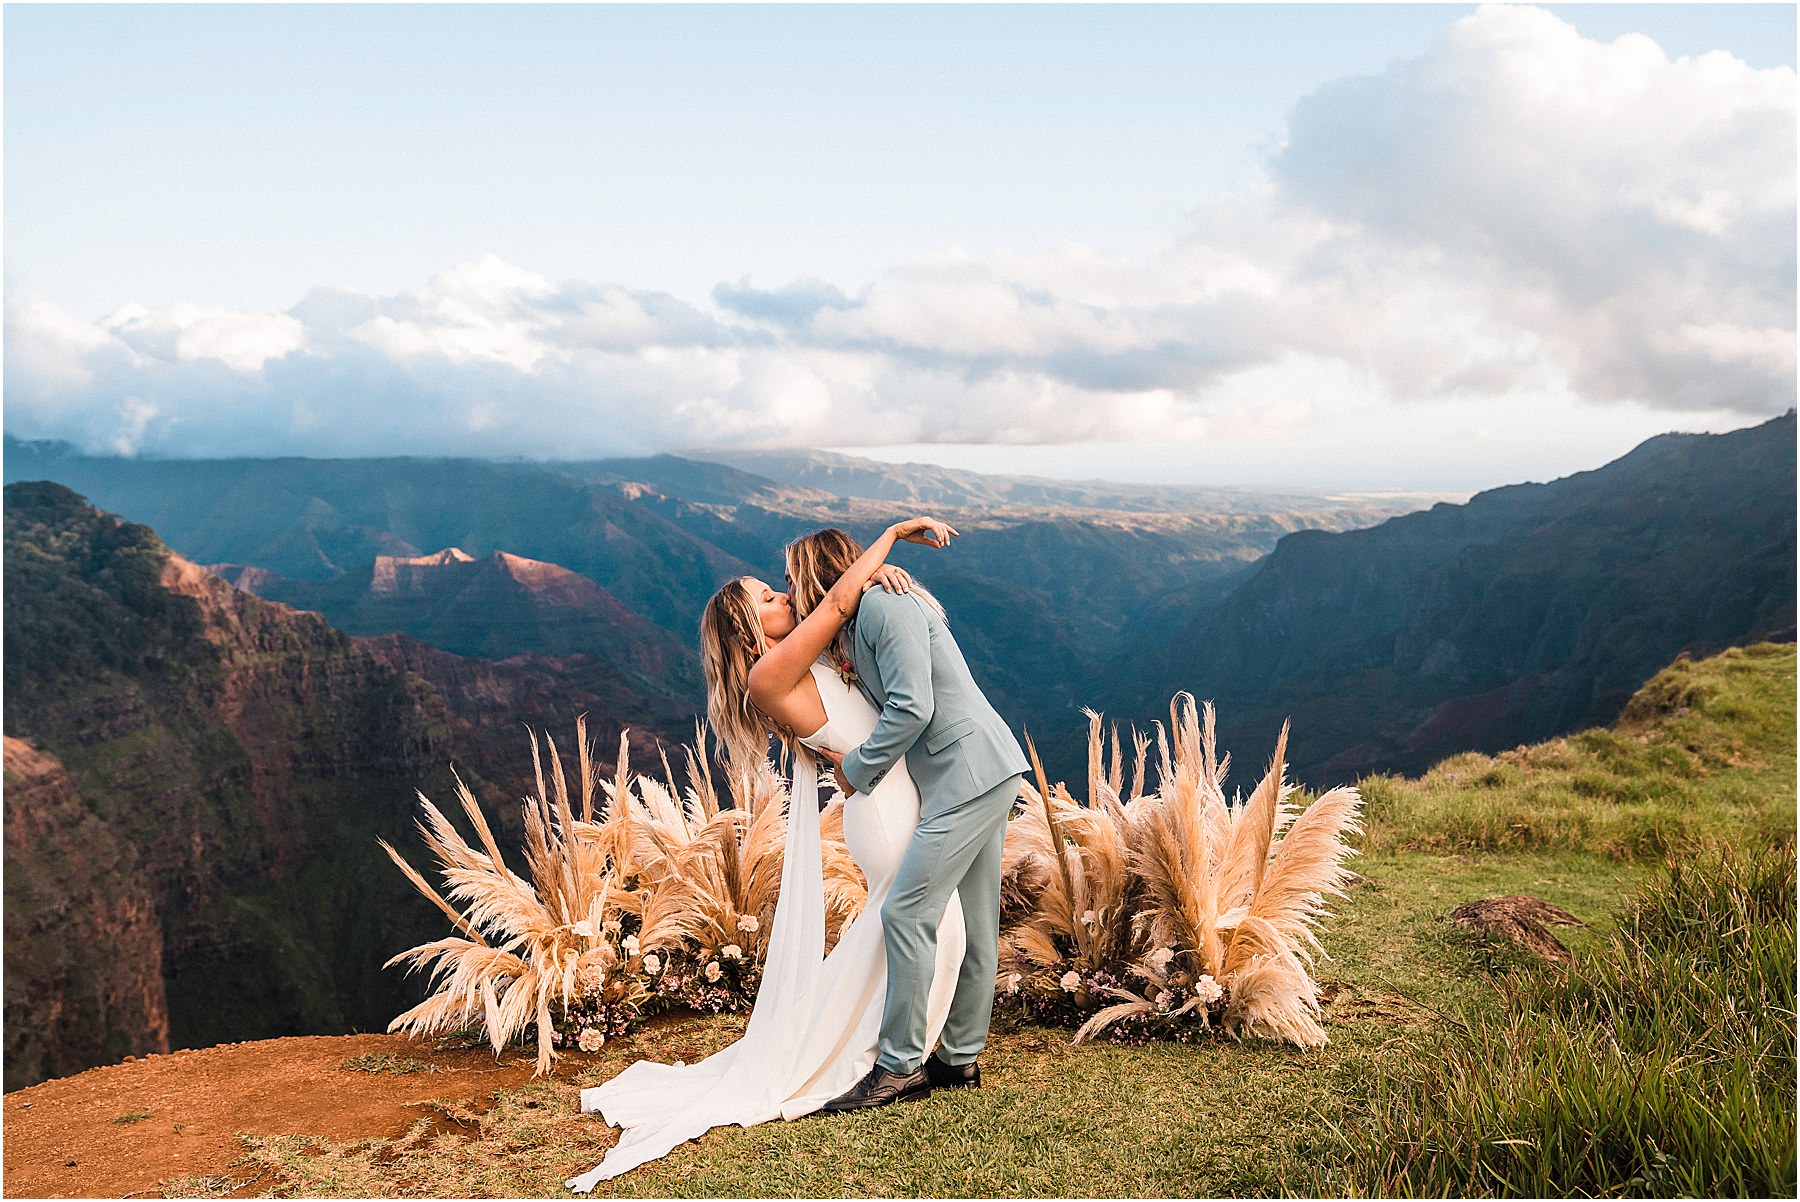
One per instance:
[(798, 707)]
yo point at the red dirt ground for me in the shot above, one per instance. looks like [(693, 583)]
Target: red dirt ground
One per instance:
[(61, 1140)]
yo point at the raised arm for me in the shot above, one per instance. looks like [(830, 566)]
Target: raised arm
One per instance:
[(781, 668)]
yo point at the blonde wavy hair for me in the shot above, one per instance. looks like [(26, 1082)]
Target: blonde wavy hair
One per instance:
[(731, 639), (817, 561)]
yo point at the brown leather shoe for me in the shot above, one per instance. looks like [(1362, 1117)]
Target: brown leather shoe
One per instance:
[(881, 1087)]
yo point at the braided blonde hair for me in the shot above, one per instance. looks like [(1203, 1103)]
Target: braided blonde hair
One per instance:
[(731, 639)]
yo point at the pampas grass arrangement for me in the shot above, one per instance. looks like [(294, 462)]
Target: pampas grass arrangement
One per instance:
[(1136, 915), (1168, 914), (639, 896)]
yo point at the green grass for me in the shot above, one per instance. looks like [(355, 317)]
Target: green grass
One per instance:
[(1660, 1064), (1705, 756), (134, 1116), (385, 1062)]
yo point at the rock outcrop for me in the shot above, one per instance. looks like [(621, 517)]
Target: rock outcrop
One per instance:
[(499, 606)]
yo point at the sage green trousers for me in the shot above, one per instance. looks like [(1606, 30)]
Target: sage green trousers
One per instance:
[(954, 851)]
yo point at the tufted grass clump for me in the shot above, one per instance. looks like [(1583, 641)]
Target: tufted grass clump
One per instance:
[(1661, 1064)]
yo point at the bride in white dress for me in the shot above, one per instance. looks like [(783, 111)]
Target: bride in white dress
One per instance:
[(812, 1032)]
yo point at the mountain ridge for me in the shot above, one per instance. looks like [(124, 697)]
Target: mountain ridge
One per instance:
[(931, 484), (496, 607), (1055, 608), (1042, 595), (1522, 613)]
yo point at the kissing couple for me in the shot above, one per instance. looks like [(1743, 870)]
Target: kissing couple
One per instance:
[(858, 657)]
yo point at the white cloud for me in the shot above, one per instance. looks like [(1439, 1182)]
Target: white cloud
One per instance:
[(1519, 212), (188, 333), (53, 350), (1597, 196)]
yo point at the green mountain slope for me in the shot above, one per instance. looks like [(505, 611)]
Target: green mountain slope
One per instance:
[(1531, 610), (1703, 752)]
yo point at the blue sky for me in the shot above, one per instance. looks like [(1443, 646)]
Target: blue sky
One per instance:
[(195, 160), (242, 154)]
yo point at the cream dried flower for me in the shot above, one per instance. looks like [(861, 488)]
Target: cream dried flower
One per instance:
[(1163, 1000), (1208, 990), (1071, 980), (1090, 918), (652, 963), (713, 971), (630, 945), (732, 951), (1012, 982), (591, 1039), (1161, 957), (748, 924)]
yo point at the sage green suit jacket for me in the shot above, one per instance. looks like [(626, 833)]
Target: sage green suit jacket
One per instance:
[(932, 712)]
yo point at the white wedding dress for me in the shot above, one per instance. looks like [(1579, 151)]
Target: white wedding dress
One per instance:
[(812, 1033)]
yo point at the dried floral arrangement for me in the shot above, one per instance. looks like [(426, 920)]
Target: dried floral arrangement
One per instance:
[(1135, 916), (1166, 915)]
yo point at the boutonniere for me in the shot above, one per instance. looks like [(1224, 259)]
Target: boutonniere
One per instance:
[(847, 672)]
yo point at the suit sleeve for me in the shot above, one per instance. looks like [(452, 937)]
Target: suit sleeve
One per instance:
[(897, 631)]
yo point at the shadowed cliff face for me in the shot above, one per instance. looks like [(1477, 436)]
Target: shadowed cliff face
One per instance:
[(84, 946), (491, 702), (1530, 611), (227, 764)]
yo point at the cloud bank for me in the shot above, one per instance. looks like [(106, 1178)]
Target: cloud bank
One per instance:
[(1518, 212)]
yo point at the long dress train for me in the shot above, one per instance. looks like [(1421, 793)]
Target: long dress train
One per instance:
[(812, 1032)]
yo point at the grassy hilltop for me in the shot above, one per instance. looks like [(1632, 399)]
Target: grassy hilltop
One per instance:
[(1660, 1062)]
